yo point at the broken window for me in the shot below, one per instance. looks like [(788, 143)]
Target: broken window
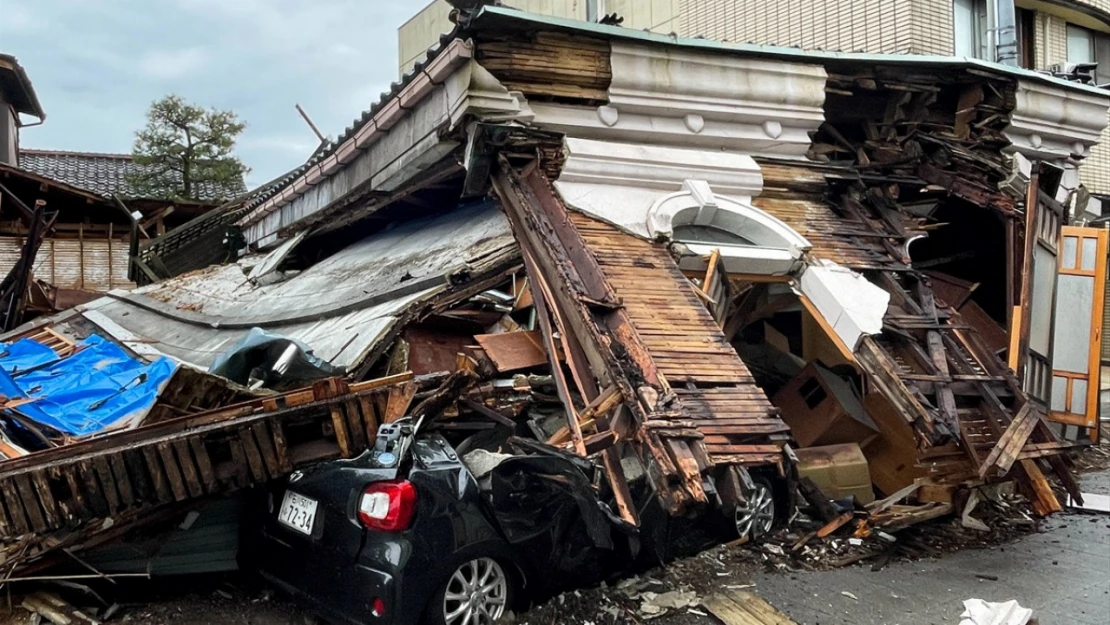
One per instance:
[(708, 234)]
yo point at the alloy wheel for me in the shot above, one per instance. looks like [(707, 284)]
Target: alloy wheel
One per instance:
[(756, 516), (476, 593)]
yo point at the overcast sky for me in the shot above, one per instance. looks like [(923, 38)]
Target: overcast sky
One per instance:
[(98, 64)]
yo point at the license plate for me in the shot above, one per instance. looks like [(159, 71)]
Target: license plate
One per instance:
[(297, 512)]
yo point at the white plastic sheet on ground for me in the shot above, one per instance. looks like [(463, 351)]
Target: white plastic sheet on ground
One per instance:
[(979, 612)]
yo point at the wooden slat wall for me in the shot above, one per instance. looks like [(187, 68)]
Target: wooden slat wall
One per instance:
[(211, 453), (551, 65), (89, 264), (724, 405)]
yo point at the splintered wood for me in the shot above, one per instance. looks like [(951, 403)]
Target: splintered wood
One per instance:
[(694, 403), (551, 65), (970, 413), (739, 607), (58, 496)]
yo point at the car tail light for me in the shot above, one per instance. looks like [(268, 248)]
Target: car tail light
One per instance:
[(387, 506)]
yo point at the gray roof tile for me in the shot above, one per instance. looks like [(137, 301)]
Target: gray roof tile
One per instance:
[(105, 174)]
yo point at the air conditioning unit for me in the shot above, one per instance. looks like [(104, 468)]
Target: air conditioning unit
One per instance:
[(1075, 72)]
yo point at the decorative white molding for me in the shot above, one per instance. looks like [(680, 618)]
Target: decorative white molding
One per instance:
[(473, 91), (669, 97), (1055, 123), (697, 205), (649, 190), (853, 306), (658, 167), (620, 182)]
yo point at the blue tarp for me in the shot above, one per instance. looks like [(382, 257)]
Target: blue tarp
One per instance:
[(84, 393)]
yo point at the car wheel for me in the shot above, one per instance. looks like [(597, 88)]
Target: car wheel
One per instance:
[(756, 516), (477, 593)]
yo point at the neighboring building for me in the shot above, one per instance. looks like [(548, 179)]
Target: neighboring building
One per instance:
[(1049, 33), (106, 175), (17, 97), (100, 230)]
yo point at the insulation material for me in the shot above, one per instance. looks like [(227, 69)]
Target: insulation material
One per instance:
[(851, 305)]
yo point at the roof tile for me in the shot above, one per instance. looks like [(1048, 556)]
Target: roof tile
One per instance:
[(105, 174)]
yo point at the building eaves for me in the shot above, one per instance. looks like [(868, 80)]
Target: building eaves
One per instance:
[(51, 182), (324, 161), (17, 89), (494, 18)]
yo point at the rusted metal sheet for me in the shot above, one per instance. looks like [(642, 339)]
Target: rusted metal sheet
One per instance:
[(511, 351)]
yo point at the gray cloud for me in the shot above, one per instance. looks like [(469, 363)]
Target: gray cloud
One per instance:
[(97, 64)]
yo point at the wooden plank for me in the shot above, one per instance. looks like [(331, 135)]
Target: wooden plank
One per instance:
[(158, 480), (1009, 445), (189, 473), (173, 472), (26, 492), (356, 430), (123, 482), (239, 462), (111, 492), (688, 468), (76, 508), (758, 611), (253, 457), (281, 446), (400, 398), (14, 506), (265, 443), (339, 426), (834, 525), (370, 419), (204, 464), (45, 495), (98, 502), (513, 351), (140, 481)]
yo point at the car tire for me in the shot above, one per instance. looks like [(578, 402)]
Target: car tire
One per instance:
[(478, 592), (758, 515)]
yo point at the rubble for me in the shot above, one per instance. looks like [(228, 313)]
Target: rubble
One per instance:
[(635, 346)]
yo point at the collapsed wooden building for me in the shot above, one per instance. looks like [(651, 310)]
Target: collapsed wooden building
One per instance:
[(684, 260)]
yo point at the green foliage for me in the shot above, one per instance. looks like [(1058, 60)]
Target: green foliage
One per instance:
[(185, 152)]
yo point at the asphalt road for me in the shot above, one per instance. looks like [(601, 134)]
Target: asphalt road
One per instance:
[(1063, 574)]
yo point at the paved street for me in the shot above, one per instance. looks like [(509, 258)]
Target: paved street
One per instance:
[(1063, 574)]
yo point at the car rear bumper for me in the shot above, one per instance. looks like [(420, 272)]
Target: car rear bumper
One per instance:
[(343, 593)]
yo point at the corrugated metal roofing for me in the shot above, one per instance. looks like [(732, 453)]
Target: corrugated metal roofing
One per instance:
[(106, 174), (341, 306)]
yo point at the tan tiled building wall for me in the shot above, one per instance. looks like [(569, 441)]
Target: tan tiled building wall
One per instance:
[(877, 26), (881, 26), (1050, 47)]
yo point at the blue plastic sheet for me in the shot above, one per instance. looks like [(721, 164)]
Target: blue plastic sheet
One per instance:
[(95, 388)]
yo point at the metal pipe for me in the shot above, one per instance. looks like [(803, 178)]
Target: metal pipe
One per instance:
[(1006, 50)]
